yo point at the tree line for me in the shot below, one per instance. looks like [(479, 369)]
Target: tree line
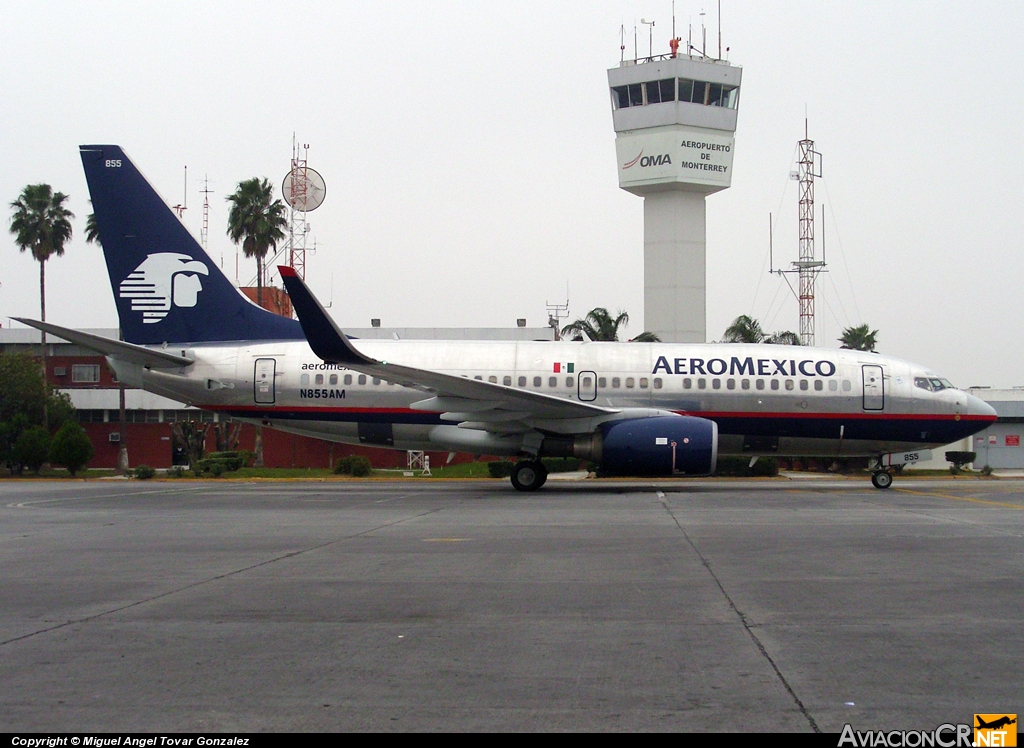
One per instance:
[(599, 324), (746, 329)]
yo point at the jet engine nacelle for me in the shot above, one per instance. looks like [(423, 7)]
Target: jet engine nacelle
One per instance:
[(664, 445)]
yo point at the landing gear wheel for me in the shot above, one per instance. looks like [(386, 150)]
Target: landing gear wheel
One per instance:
[(529, 475), (881, 479)]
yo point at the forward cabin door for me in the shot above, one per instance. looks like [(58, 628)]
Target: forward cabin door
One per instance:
[(263, 381), (874, 387)]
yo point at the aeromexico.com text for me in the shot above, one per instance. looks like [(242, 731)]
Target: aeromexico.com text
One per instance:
[(755, 367)]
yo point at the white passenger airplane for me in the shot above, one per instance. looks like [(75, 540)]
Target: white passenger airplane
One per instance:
[(633, 408)]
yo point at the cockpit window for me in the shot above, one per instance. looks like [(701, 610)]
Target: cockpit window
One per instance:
[(933, 384)]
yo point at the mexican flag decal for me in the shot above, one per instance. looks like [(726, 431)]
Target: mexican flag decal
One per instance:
[(567, 368)]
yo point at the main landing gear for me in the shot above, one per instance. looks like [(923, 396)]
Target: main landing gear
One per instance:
[(529, 475), (881, 479)]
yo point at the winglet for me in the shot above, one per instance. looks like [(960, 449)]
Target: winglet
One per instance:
[(324, 337)]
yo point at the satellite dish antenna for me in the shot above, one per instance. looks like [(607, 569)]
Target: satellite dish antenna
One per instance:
[(304, 189)]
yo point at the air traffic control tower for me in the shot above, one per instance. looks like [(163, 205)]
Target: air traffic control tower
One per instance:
[(675, 119)]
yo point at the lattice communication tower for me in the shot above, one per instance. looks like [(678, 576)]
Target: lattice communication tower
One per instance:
[(304, 191), (809, 167), (807, 267)]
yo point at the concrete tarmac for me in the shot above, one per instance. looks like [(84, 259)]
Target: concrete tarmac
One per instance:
[(429, 605)]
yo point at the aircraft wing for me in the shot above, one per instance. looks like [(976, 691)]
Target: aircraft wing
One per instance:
[(133, 354), (471, 402)]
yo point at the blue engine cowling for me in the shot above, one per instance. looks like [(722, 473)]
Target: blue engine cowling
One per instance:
[(663, 445)]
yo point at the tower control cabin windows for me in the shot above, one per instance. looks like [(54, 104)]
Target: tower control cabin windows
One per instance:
[(708, 94), (666, 90)]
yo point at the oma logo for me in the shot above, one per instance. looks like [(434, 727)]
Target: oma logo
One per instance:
[(644, 161), (163, 280)]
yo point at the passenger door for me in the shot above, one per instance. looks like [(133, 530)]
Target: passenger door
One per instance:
[(874, 387), (263, 381)]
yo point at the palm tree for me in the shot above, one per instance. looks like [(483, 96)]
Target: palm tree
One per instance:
[(256, 221), (41, 224), (646, 337), (92, 232), (597, 325), (746, 329), (600, 325), (859, 338), (783, 338)]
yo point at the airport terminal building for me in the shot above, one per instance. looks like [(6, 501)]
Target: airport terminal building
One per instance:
[(999, 446)]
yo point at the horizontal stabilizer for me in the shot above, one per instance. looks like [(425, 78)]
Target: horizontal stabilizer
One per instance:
[(129, 352)]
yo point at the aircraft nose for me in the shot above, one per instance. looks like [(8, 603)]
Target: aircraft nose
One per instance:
[(978, 407)]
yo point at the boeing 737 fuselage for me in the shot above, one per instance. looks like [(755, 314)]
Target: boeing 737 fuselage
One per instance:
[(632, 408)]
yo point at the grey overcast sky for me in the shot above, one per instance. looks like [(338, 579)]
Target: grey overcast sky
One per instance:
[(470, 167)]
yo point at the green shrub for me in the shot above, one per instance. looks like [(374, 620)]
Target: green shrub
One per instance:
[(144, 472), (176, 472), (356, 465), (360, 466), (32, 448), (561, 464), (343, 466), (739, 467), (71, 447), (987, 470), (230, 461), (218, 463), (500, 468), (9, 433)]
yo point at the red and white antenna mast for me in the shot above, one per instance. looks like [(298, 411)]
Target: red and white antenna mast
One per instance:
[(299, 184), (304, 190), (809, 167), (807, 267)]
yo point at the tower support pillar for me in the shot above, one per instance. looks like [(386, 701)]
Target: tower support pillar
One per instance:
[(675, 266)]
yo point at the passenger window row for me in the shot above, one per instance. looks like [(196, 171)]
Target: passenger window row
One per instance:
[(641, 382), (774, 384), (333, 379), (506, 380)]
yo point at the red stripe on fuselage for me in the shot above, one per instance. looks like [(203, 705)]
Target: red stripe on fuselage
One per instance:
[(313, 409), (881, 416)]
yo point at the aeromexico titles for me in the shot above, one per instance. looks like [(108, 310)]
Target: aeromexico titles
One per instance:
[(632, 408)]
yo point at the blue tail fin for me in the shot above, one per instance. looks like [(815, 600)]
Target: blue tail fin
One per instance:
[(167, 289)]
